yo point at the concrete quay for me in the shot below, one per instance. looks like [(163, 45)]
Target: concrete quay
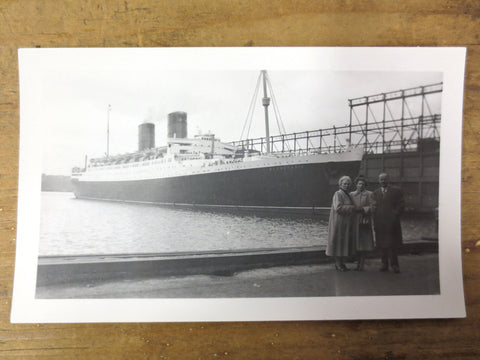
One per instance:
[(249, 273)]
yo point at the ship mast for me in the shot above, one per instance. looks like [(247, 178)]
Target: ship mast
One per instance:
[(265, 81), (266, 103)]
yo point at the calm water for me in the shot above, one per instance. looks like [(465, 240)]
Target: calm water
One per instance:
[(74, 226), (71, 226)]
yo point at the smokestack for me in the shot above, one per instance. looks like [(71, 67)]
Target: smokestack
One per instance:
[(146, 136), (177, 125)]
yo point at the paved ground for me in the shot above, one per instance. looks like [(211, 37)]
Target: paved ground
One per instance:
[(419, 276)]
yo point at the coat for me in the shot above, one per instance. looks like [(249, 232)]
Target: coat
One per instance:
[(363, 233), (340, 240), (389, 207)]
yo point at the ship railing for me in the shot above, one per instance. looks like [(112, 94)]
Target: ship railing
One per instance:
[(127, 165)]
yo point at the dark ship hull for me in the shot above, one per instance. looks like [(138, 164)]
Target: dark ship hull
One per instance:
[(288, 187)]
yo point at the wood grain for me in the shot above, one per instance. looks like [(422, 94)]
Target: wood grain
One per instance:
[(48, 23)]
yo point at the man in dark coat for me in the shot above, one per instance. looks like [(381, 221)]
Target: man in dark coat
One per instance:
[(388, 231)]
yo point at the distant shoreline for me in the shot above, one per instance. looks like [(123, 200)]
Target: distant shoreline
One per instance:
[(57, 183)]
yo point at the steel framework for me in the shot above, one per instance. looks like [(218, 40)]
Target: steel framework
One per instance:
[(382, 123)]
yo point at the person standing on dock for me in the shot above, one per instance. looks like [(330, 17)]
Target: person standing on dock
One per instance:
[(340, 241), (363, 233), (388, 231)]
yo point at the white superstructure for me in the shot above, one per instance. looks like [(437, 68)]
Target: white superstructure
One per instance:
[(201, 155)]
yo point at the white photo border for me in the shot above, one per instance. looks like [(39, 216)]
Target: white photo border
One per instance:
[(448, 304)]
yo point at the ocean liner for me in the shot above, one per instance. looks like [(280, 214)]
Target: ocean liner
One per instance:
[(204, 172)]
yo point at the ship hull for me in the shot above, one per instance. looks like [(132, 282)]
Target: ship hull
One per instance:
[(289, 186)]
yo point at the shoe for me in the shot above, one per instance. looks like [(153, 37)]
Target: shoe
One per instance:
[(360, 265), (341, 267), (384, 268), (396, 269), (358, 268)]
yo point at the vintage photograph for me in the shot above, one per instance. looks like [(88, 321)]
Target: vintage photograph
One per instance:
[(160, 175)]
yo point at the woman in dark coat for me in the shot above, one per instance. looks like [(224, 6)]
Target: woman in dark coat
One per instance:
[(340, 242), (363, 233)]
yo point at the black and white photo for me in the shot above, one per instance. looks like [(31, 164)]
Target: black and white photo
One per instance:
[(223, 184)]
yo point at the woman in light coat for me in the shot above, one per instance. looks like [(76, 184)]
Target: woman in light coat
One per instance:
[(340, 241)]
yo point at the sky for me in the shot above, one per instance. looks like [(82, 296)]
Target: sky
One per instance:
[(69, 94)]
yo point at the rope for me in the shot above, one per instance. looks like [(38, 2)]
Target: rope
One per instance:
[(250, 110), (278, 118)]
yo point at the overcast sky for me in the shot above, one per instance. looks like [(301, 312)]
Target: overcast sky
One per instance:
[(73, 92)]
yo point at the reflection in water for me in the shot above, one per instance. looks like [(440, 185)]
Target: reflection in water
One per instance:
[(74, 226)]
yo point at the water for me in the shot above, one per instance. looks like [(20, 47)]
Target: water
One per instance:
[(71, 226)]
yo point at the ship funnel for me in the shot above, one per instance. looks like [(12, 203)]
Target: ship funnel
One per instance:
[(177, 125), (146, 136)]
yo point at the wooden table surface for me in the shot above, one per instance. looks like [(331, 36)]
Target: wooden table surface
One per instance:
[(112, 23)]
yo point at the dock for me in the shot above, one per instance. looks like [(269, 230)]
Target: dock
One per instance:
[(96, 269)]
